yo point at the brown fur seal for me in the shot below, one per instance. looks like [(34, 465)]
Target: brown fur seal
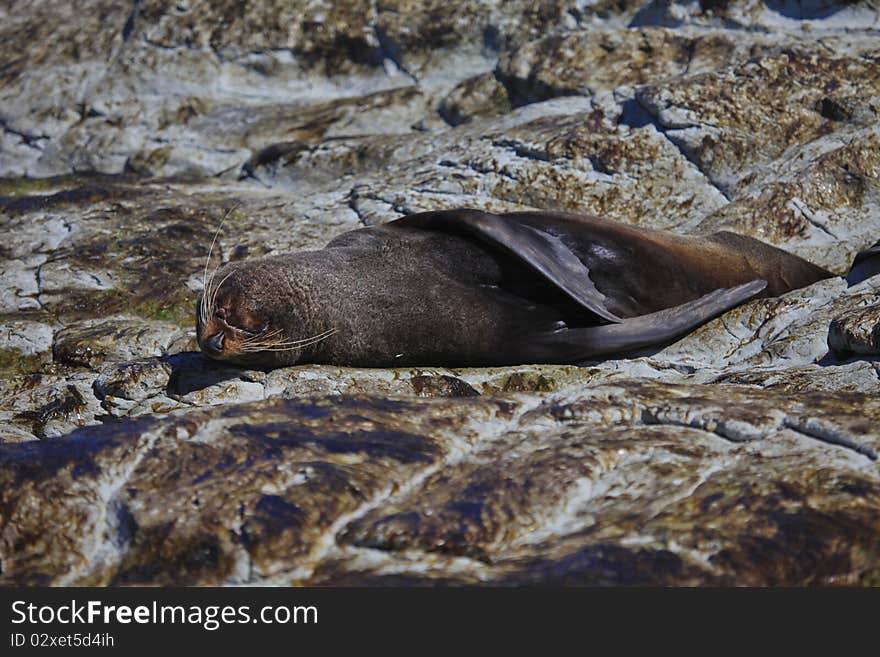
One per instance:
[(464, 287)]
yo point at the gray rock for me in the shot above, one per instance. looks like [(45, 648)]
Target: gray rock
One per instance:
[(48, 406), (92, 342), (483, 489), (858, 331), (134, 381), (481, 95), (25, 345)]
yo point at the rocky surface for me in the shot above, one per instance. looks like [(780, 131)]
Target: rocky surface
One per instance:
[(745, 453)]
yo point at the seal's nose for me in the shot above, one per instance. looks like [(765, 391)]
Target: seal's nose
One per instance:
[(214, 344)]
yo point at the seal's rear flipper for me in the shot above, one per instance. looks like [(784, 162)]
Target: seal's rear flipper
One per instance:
[(654, 329)]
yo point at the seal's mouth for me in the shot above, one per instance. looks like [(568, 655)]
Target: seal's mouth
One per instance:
[(221, 341), (226, 334), (230, 334)]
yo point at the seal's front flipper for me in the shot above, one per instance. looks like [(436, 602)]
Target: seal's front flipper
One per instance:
[(544, 252), (568, 345)]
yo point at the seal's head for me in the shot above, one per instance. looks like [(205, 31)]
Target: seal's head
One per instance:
[(240, 320), (226, 323)]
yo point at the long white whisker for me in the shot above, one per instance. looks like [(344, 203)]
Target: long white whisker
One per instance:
[(292, 343), (217, 289), (288, 346), (264, 336), (260, 339), (208, 262), (206, 283), (304, 343), (211, 281)]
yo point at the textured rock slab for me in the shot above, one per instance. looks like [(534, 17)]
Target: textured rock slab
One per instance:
[(484, 489), (493, 508), (48, 405), (25, 345), (749, 115), (133, 381), (90, 342), (858, 331), (137, 86), (858, 376), (824, 198), (565, 154), (583, 62), (258, 489), (588, 60), (480, 95), (810, 17)]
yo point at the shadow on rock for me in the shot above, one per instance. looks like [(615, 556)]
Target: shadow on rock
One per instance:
[(191, 372)]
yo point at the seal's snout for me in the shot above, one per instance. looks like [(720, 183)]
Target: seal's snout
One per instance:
[(213, 346)]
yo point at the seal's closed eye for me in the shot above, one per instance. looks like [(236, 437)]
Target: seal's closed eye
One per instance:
[(223, 315)]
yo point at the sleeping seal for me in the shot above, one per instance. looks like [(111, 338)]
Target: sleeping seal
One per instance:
[(464, 287)]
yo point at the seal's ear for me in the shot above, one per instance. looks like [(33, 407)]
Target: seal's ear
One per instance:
[(542, 251)]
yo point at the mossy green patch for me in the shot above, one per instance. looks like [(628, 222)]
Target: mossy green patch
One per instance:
[(13, 362), (528, 382), (84, 195), (150, 257)]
